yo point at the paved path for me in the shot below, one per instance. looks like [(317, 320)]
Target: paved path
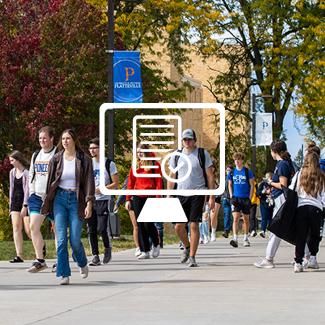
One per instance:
[(225, 289)]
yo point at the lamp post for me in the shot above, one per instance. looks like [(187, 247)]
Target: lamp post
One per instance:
[(110, 51), (254, 96)]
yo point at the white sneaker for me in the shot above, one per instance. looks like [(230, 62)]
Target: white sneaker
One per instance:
[(213, 236), (246, 243), (64, 281), (137, 252), (84, 272), (253, 233), (155, 251), (297, 268), (312, 263), (205, 240), (201, 240), (264, 264), (144, 256)]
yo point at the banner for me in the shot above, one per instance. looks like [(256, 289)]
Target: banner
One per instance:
[(264, 134), (127, 77)]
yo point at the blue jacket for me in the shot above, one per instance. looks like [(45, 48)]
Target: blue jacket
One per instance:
[(322, 164)]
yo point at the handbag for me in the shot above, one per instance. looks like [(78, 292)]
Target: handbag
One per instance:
[(283, 224)]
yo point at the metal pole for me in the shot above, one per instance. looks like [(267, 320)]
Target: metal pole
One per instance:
[(110, 98), (254, 134)]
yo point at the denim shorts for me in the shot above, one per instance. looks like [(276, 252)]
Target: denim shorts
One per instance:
[(35, 203)]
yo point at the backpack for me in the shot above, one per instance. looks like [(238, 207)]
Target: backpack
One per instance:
[(246, 175), (201, 158), (36, 152), (107, 166)]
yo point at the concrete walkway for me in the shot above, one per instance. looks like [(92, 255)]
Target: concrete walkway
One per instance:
[(225, 289)]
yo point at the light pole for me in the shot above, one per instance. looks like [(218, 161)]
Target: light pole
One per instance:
[(254, 96), (110, 50)]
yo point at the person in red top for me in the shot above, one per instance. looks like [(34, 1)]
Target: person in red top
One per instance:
[(146, 229)]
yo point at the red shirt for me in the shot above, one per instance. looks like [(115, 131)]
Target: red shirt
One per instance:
[(145, 183)]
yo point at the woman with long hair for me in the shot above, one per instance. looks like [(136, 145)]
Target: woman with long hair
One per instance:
[(282, 175), (311, 202), (70, 195), (146, 230), (18, 201)]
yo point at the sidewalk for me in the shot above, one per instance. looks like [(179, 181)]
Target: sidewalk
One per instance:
[(225, 289)]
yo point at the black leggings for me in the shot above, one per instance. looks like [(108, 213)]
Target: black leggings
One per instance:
[(146, 229), (309, 222)]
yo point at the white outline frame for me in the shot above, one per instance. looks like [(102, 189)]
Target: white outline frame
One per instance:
[(219, 107)]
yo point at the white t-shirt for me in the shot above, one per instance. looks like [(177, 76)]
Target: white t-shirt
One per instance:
[(38, 186), (306, 199), (113, 171), (196, 180), (68, 177)]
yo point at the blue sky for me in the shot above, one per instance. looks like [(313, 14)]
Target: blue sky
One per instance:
[(294, 138)]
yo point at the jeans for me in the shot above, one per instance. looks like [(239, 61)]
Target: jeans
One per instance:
[(227, 222), (160, 228), (252, 218), (65, 208), (266, 213), (204, 228)]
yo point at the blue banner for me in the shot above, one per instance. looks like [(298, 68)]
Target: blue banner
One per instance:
[(127, 77)]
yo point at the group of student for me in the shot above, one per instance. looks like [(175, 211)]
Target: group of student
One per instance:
[(62, 184)]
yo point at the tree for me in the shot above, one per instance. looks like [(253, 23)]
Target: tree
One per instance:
[(299, 159), (264, 43)]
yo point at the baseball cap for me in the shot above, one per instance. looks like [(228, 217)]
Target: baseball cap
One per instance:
[(188, 134)]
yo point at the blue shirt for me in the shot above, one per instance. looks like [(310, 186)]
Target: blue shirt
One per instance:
[(284, 169), (240, 185), (322, 165)]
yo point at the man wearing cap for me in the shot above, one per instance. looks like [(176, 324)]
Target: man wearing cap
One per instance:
[(201, 177)]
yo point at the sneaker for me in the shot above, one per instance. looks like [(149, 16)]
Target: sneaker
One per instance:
[(16, 259), (64, 281), (234, 243), (297, 268), (192, 262), (213, 236), (185, 255), (225, 234), (37, 267), (312, 263), (44, 250), (262, 234), (137, 252), (206, 240), (107, 255), (246, 243), (155, 251), (144, 256), (264, 264), (253, 233), (54, 268), (181, 246), (84, 272), (201, 240), (95, 261)]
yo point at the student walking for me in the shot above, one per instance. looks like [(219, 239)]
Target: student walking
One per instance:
[(201, 177), (281, 177), (146, 230), (311, 202), (266, 202), (38, 173), (241, 187), (102, 206), (70, 194), (226, 206), (18, 201)]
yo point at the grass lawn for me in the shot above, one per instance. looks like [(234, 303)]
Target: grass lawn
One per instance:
[(7, 248)]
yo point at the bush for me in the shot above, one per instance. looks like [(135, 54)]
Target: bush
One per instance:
[(5, 222)]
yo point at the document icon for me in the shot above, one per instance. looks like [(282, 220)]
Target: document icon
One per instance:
[(162, 134)]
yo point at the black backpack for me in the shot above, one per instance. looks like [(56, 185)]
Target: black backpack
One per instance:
[(201, 157), (34, 156), (107, 166)]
